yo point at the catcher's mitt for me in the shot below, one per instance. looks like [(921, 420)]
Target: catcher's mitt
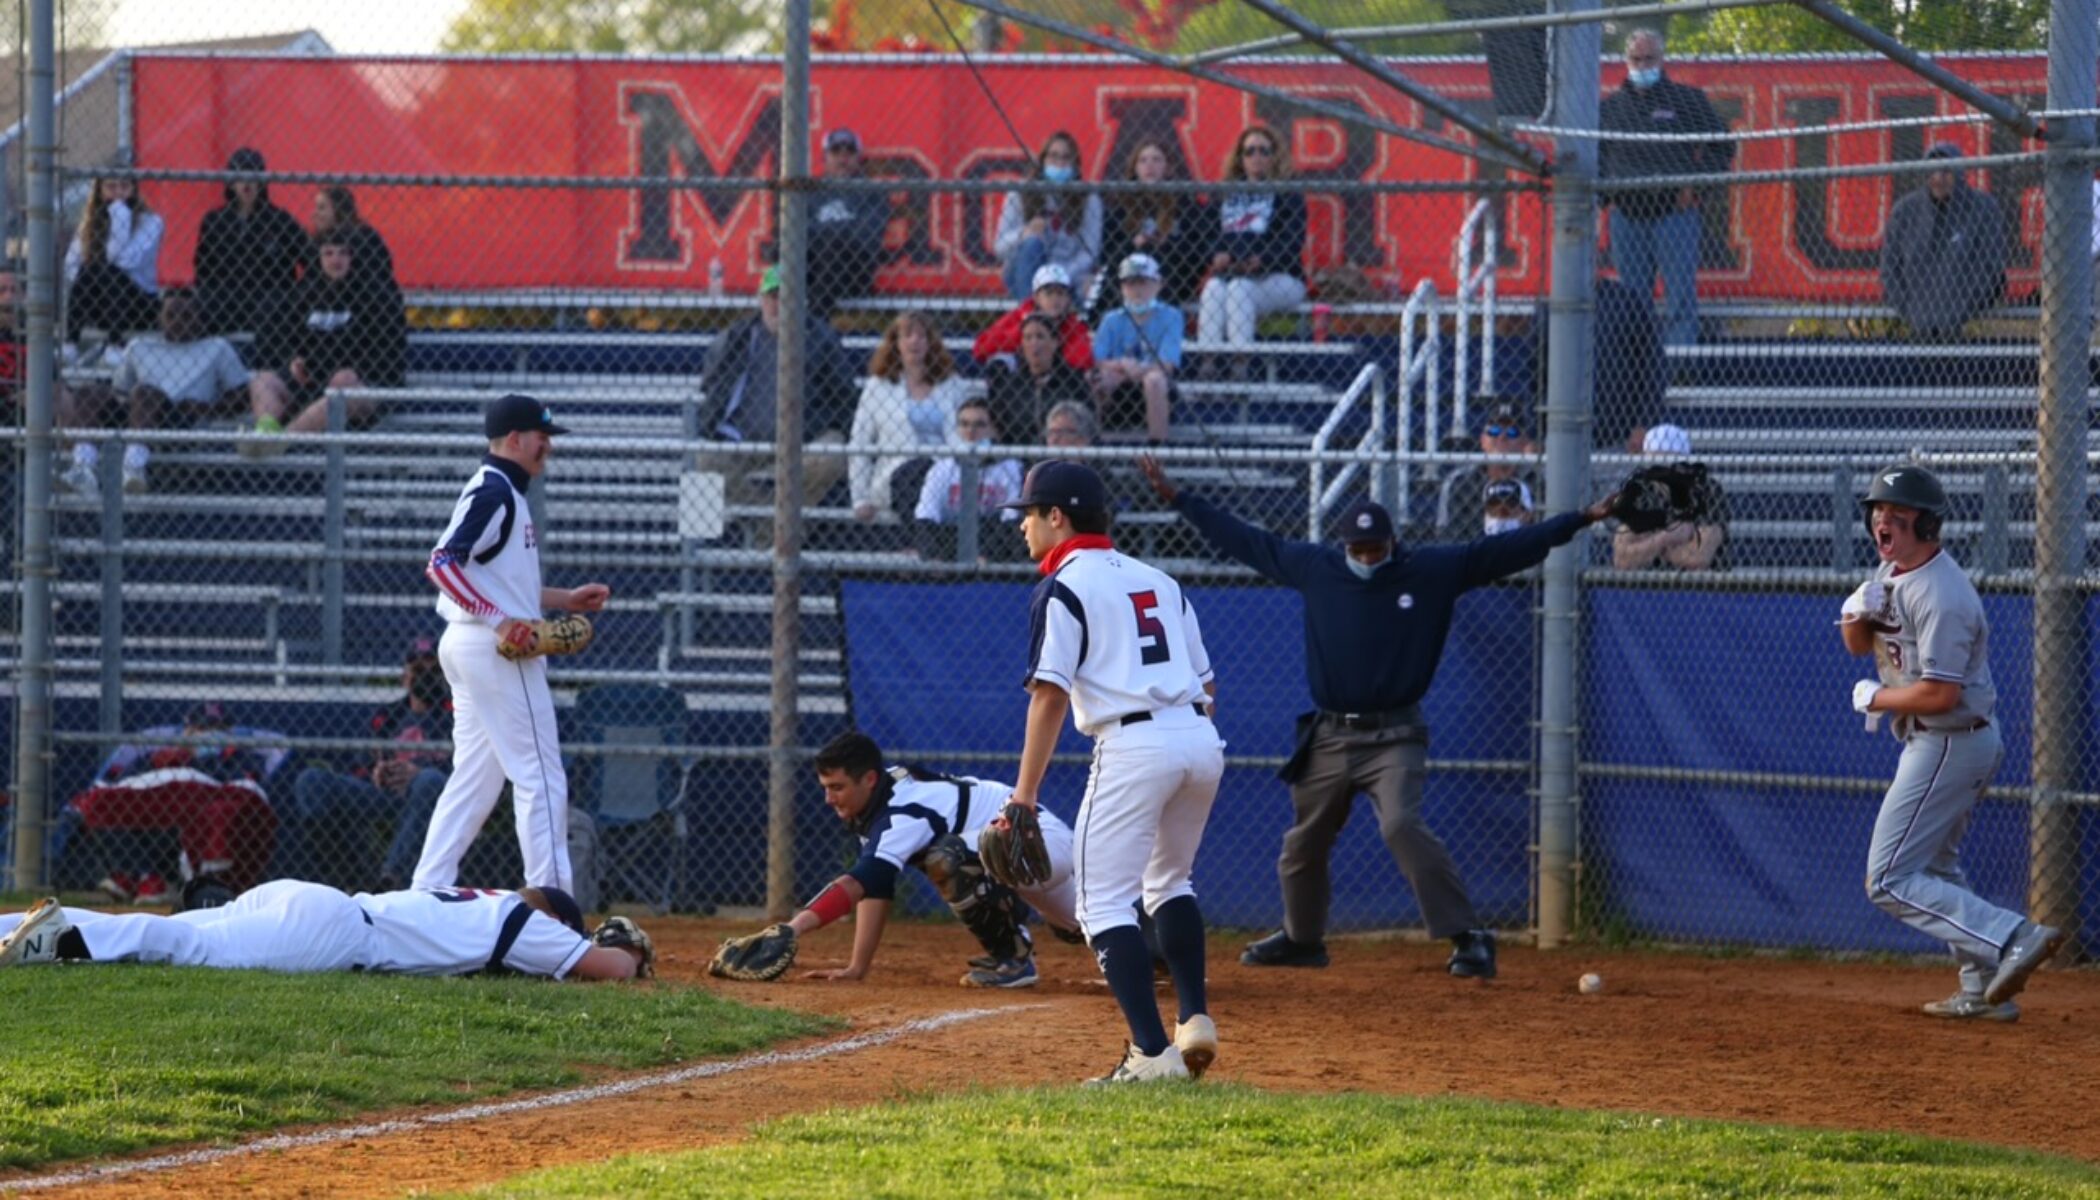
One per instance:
[(621, 933), (1015, 854), (756, 957), (1654, 497), (565, 634)]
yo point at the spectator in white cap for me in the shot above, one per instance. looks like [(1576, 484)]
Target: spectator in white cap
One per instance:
[(1058, 228), (1052, 297), (1685, 545), (1138, 348)]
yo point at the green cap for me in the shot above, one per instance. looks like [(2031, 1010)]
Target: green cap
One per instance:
[(770, 281)]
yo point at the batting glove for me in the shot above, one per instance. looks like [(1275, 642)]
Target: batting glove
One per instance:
[(1863, 694)]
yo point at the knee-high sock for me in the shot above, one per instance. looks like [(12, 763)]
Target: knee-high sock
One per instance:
[(1127, 965), (1180, 925)]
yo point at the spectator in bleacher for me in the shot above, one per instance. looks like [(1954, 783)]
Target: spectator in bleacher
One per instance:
[(344, 329), (845, 229), (1024, 390), (1494, 497), (335, 212), (1166, 225), (113, 264), (1686, 545), (1138, 349), (1943, 255), (1053, 298), (1257, 247), (1070, 426), (248, 254), (1049, 228), (906, 412), (1657, 230), (169, 381), (329, 824), (940, 503), (739, 399)]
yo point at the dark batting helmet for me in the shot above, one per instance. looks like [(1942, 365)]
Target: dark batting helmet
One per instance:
[(1911, 487)]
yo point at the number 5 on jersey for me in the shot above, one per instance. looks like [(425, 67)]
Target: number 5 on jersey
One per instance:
[(1152, 644)]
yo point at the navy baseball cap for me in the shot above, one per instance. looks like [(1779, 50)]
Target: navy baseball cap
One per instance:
[(1071, 486), (518, 414), (1365, 521)]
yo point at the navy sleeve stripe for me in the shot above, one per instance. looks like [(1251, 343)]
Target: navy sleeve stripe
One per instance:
[(878, 877), (1038, 618), (493, 494)]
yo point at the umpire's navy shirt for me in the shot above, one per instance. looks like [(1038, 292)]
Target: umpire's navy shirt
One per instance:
[(1372, 645)]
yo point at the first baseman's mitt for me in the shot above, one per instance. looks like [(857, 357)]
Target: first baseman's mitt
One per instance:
[(621, 933), (1658, 496), (1014, 854), (757, 957), (568, 633)]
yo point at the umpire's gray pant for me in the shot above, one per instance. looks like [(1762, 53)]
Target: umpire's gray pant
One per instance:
[(1914, 867), (1388, 766)]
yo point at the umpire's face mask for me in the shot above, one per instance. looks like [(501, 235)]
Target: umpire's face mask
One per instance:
[(1364, 558)]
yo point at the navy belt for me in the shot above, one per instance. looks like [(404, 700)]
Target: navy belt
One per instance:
[(1139, 718)]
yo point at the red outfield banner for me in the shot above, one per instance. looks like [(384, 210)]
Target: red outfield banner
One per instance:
[(924, 117)]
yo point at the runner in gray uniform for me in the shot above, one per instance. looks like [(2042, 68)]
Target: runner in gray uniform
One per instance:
[(1920, 617)]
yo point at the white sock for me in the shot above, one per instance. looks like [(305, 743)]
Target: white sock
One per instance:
[(85, 454), (135, 456)]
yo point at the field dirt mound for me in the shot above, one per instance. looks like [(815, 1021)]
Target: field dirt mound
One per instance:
[(1837, 1045)]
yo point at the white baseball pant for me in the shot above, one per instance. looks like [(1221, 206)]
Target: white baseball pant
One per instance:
[(502, 728), (1148, 797), (283, 925)]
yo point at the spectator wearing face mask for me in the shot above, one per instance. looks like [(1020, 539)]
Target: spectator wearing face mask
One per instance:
[(1039, 229)]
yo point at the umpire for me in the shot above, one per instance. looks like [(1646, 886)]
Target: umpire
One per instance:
[(1375, 619)]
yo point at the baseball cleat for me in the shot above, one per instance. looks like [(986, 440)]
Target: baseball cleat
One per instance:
[(1138, 1067), (2030, 948), (1473, 954), (993, 973), (1278, 950), (1197, 1039), (1962, 1006), (35, 940)]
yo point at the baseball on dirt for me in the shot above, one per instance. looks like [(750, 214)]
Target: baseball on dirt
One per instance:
[(1590, 984)]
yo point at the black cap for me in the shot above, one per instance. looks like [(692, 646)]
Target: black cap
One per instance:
[(247, 158), (1944, 150), (1068, 485), (1365, 521), (1504, 491), (518, 414), (209, 715), (421, 648), (1503, 412)]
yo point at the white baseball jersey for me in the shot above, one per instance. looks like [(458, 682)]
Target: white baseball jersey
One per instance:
[(1940, 634), (1119, 636), (458, 931), (487, 563)]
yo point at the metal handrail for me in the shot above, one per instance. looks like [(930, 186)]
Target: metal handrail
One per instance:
[(1418, 363), (1372, 378), (1474, 280)]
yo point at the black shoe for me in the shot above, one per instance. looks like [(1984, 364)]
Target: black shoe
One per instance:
[(1278, 950), (1473, 954)]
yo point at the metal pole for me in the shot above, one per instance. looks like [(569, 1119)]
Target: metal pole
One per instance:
[(788, 465), (968, 515), (2003, 111), (111, 609), (1571, 352), (33, 680), (333, 505), (2060, 478)]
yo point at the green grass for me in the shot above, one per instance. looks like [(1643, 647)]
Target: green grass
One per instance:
[(1176, 1141), (97, 1060)]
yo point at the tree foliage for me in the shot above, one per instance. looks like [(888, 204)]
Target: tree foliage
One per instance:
[(1931, 25)]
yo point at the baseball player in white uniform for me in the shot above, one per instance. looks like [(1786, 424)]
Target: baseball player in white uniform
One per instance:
[(1920, 617), (291, 926), (910, 817), (1115, 643), (487, 571)]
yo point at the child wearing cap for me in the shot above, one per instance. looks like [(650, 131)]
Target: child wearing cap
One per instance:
[(1139, 350)]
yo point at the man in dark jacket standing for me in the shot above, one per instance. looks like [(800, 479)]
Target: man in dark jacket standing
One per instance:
[(1376, 614), (248, 254), (1657, 229), (1943, 254)]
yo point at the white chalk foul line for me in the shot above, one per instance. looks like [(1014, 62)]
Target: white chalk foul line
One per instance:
[(479, 1112)]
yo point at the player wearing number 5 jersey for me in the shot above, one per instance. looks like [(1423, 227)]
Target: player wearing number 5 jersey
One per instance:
[(1115, 643)]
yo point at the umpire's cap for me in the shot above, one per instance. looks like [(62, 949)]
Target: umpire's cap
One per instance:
[(1061, 483), (1911, 487), (518, 414), (1365, 521)]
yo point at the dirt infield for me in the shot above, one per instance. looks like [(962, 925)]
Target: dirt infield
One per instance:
[(1786, 1041)]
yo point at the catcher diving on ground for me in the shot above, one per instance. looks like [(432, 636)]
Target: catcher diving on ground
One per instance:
[(910, 817)]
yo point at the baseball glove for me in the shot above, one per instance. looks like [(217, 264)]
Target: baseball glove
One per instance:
[(621, 933), (565, 634), (757, 957), (1654, 497), (1015, 854)]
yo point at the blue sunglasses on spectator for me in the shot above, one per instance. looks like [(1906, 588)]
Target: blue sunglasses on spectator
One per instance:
[(1504, 431)]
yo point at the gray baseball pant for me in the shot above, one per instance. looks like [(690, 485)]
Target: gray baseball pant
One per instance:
[(1387, 765), (1913, 865)]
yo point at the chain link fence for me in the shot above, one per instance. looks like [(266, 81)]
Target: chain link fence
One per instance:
[(1295, 279)]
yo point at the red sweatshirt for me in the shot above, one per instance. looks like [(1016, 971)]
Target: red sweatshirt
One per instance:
[(1004, 337)]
